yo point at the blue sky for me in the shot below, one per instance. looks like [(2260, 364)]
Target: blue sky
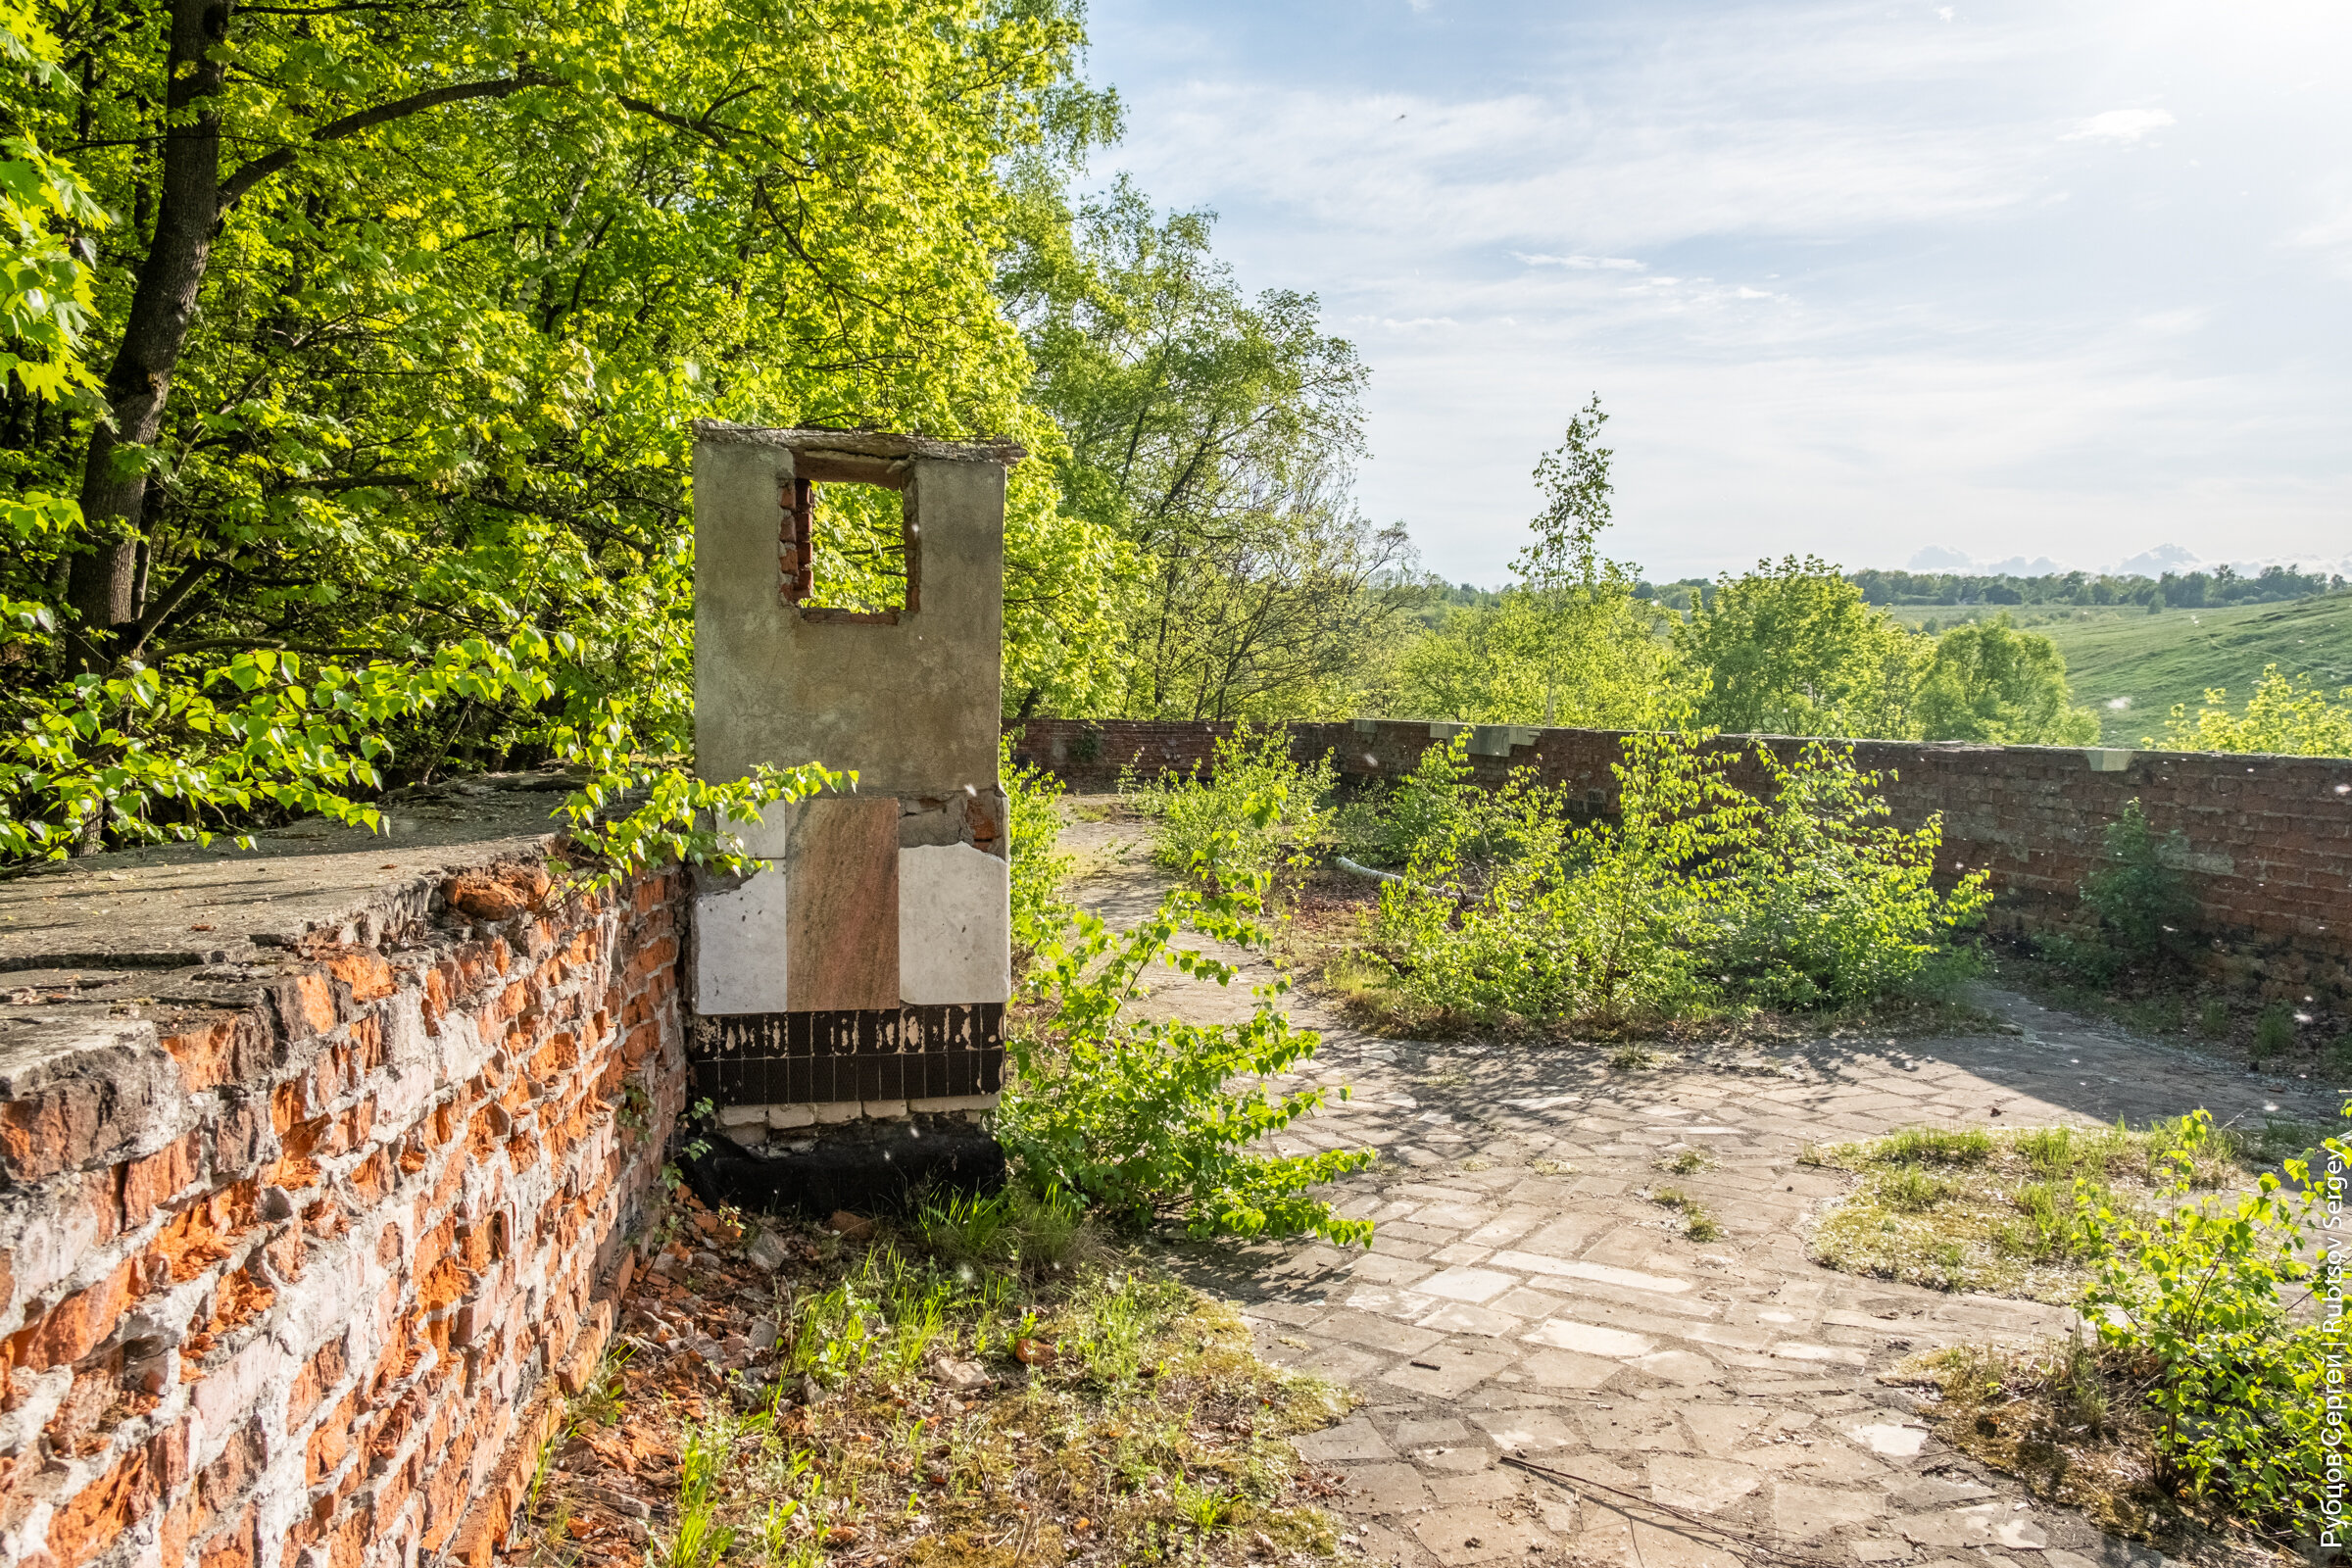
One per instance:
[(2063, 279)]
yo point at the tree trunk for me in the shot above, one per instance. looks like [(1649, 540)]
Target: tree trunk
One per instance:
[(114, 481)]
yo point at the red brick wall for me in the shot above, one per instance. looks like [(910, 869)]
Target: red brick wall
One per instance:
[(2270, 838), (301, 1259)]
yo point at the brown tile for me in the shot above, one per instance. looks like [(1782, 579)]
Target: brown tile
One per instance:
[(841, 923)]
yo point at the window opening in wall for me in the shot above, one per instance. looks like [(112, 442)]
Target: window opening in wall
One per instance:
[(847, 549)]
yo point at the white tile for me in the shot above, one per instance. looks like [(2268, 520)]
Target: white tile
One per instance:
[(1562, 1334), (1888, 1438), (955, 925), (1597, 1273), (739, 946), (1465, 1284), (1461, 1317)]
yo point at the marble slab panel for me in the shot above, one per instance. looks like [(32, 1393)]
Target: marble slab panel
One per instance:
[(955, 925), (841, 863), (739, 963)]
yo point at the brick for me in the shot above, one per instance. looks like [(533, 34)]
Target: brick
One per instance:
[(150, 1183), (54, 1130), (239, 1136), (223, 1484), (306, 1005), (364, 970), (76, 1325), (206, 1051), (330, 1441), (230, 1547), (87, 1523)]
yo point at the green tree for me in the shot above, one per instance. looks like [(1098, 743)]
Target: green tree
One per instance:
[(2286, 714), (1571, 642), (1793, 649), (1991, 682), (1213, 435), (406, 314)]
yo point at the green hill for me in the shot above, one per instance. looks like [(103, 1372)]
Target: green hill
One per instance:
[(2134, 666)]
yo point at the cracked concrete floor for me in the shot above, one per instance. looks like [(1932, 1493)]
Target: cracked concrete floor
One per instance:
[(1706, 1405)]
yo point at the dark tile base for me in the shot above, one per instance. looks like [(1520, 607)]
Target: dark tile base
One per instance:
[(823, 1058)]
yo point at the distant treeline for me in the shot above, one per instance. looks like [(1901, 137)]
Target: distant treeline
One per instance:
[(2223, 585)]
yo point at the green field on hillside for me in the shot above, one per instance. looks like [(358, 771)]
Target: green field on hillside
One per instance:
[(2134, 666)]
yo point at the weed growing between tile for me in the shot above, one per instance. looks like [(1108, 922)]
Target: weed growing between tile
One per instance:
[(2068, 1423), (981, 1387), (1999, 1211)]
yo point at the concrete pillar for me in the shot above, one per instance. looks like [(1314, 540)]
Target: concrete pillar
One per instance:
[(849, 997)]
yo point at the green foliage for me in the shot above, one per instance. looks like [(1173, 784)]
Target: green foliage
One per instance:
[(427, 429), (1210, 437), (2273, 1031), (1033, 799), (2284, 714), (1437, 801), (1011, 1228), (1151, 1117), (1213, 819), (1833, 903), (2142, 902), (1695, 893), (1792, 649), (1592, 656), (1574, 643), (1935, 1146), (700, 1540), (1991, 683), (2201, 1302)]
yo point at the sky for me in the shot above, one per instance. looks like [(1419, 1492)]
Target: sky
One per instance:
[(2065, 279)]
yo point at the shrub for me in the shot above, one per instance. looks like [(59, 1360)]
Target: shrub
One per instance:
[(1832, 902), (1145, 1118), (2142, 900), (2338, 1057), (1696, 889), (2284, 713), (1204, 822), (2273, 1031), (2201, 1305), (1436, 804), (1039, 911)]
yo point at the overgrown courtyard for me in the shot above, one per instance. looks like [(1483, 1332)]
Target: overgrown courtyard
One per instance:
[(1574, 1307)]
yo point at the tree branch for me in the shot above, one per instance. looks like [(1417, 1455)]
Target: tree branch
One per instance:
[(233, 188), (161, 610)]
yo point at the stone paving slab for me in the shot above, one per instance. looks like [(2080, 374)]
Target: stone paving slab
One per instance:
[(1523, 1298)]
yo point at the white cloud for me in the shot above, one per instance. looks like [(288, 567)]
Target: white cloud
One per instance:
[(2125, 126), (1572, 178), (1585, 264), (1849, 278)]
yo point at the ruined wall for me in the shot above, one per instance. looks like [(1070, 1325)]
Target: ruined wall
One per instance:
[(2270, 838), (319, 1166), (860, 971)]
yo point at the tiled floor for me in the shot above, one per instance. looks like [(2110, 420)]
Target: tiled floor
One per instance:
[(1703, 1405)]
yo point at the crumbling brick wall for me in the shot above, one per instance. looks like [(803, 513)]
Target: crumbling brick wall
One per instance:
[(300, 1248), (2269, 838)]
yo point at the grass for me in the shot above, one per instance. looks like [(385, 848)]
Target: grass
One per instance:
[(2153, 661), (1974, 1209), (2068, 1420), (989, 1385), (1697, 1222)]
